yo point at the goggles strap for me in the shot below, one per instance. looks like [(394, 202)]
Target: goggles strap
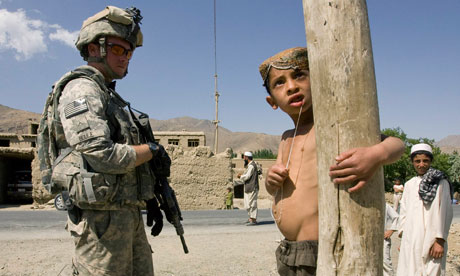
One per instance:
[(102, 48), (103, 59), (108, 69)]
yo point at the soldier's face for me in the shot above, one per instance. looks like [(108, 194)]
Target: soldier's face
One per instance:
[(118, 63)]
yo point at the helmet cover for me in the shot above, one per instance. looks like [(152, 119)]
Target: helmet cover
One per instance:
[(112, 21)]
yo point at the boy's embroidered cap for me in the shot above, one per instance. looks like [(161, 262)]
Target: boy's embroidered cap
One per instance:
[(421, 147), (293, 58)]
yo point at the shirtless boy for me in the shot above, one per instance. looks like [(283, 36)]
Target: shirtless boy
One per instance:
[(293, 179)]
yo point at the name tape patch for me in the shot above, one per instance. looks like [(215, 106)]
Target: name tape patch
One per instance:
[(76, 107)]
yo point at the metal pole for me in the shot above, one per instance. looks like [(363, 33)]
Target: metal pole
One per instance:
[(216, 94), (216, 122)]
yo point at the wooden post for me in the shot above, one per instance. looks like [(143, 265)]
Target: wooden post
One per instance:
[(346, 116)]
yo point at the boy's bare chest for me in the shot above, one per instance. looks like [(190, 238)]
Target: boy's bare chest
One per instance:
[(302, 160)]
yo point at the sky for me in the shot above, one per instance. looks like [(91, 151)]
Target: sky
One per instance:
[(416, 49)]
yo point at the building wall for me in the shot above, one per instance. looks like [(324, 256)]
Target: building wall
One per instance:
[(16, 151), (15, 162), (182, 137), (39, 193), (18, 140), (238, 168), (266, 163), (200, 178)]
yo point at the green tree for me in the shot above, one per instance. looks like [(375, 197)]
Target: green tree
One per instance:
[(264, 154), (454, 170), (440, 160), (402, 168)]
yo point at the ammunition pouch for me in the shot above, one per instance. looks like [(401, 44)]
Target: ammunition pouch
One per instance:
[(86, 189)]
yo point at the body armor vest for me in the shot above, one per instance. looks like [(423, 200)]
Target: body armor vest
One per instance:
[(65, 169)]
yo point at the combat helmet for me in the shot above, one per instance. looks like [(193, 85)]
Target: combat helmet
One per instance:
[(112, 21)]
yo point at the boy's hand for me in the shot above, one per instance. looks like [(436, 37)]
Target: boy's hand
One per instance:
[(358, 164), (387, 234), (275, 178)]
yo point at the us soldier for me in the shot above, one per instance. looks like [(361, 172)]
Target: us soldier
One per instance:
[(103, 156)]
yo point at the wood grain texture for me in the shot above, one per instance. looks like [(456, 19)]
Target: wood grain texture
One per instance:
[(346, 116)]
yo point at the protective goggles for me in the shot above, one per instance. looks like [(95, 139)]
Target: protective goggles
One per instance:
[(119, 50)]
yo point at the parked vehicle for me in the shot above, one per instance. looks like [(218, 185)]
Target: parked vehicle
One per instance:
[(20, 184)]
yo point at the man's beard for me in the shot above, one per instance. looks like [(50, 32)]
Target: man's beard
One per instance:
[(246, 162)]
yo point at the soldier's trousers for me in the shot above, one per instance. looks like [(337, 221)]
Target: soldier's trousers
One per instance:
[(111, 242)]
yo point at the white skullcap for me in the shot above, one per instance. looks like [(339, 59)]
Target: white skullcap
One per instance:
[(248, 154), (419, 147)]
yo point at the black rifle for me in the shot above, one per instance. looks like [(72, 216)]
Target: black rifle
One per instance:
[(160, 165)]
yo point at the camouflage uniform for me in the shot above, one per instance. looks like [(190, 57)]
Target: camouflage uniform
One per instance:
[(85, 150), (110, 238)]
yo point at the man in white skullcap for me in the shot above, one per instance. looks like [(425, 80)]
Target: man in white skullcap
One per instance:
[(250, 179), (425, 218)]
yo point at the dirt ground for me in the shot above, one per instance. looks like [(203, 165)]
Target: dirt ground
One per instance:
[(236, 251)]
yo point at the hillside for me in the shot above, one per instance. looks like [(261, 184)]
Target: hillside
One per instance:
[(449, 144), (17, 121), (238, 141)]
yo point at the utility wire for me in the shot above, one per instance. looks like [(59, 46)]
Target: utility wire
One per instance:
[(215, 40)]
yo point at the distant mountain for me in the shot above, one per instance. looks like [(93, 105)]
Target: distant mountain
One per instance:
[(17, 121), (238, 141), (449, 144)]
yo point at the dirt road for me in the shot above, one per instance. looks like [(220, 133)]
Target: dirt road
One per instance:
[(237, 250)]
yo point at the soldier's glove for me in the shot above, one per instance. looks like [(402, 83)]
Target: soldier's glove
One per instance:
[(161, 162), (154, 214)]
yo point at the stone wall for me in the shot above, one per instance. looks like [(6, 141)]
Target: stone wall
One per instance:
[(200, 178), (14, 140), (238, 168), (39, 194)]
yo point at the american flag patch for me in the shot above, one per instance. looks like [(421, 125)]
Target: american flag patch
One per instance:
[(76, 107)]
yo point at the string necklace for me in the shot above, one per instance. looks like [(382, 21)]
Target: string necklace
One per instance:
[(287, 167)]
